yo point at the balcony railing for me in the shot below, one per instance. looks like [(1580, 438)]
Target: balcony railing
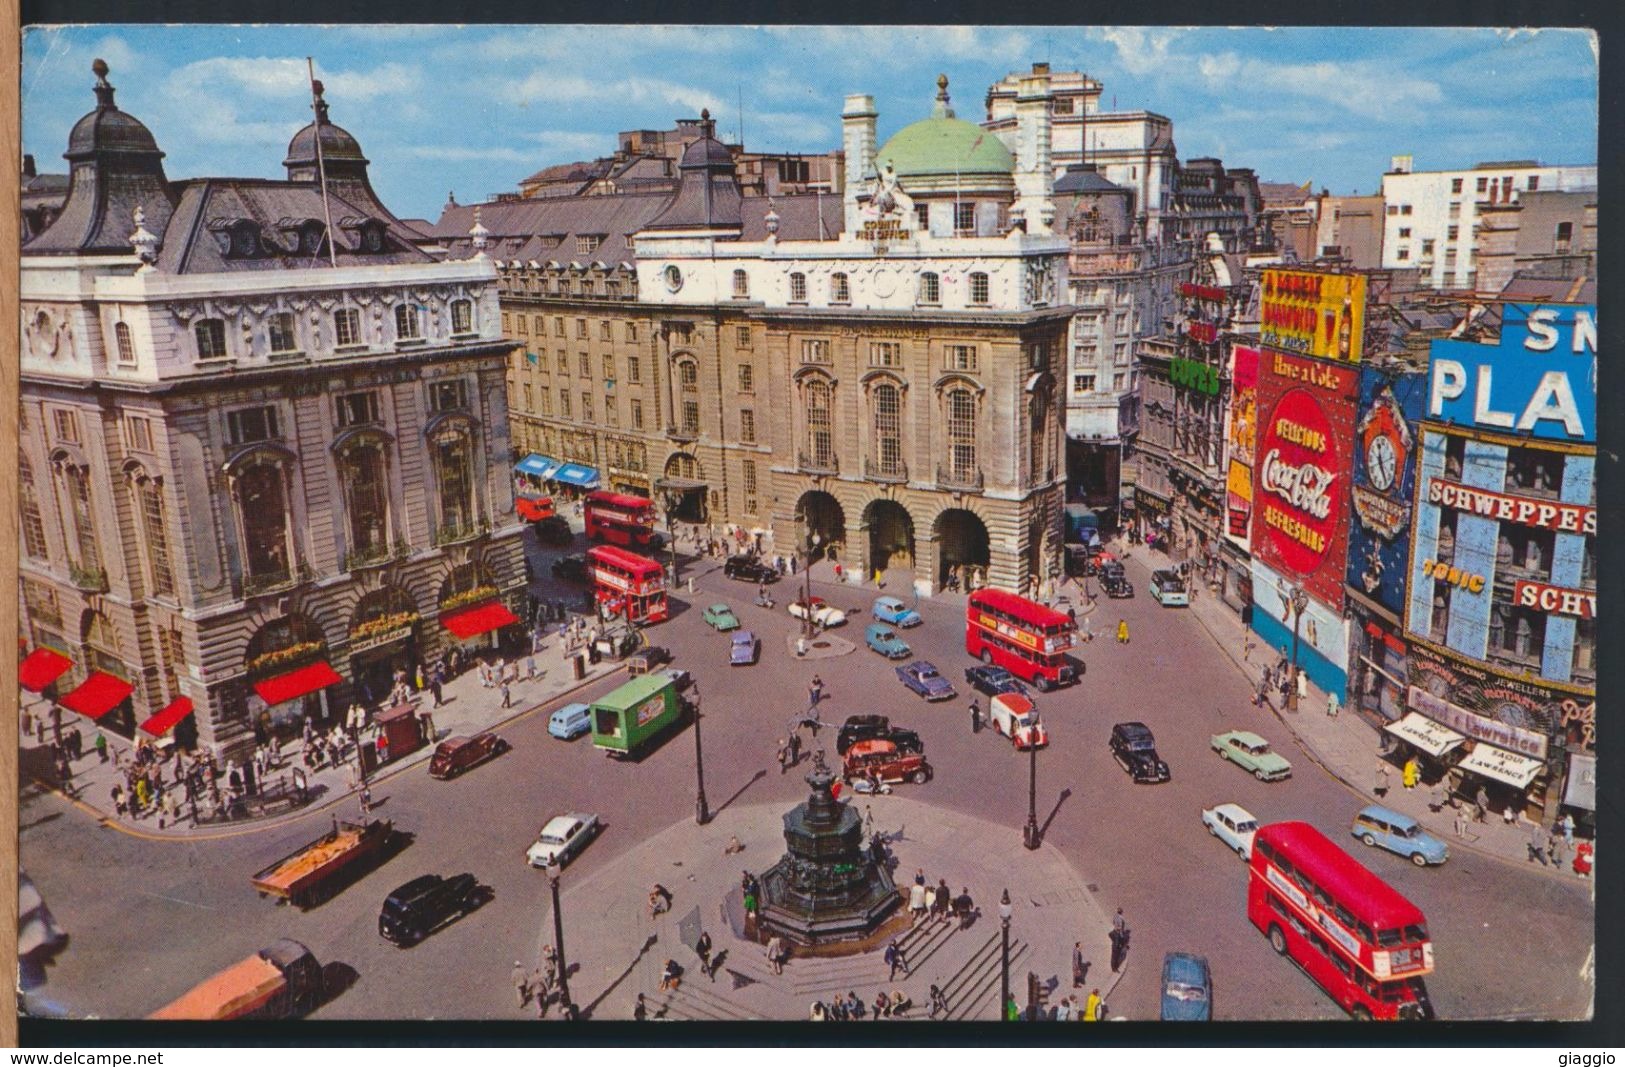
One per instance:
[(818, 464), (880, 470), (371, 556), (255, 584), (88, 579), (452, 533), (683, 433), (950, 477)]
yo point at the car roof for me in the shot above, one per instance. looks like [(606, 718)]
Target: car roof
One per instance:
[(1236, 812), (415, 886), (574, 708), (1132, 729), (1185, 967), (719, 607), (743, 637), (1246, 737), (452, 744), (560, 823), (1018, 704), (888, 601), (921, 664), (1389, 815), (871, 746)]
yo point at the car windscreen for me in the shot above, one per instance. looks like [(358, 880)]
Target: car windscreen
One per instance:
[(1246, 826)]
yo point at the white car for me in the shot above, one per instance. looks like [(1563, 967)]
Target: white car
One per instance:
[(562, 838), (822, 613), (1234, 825)]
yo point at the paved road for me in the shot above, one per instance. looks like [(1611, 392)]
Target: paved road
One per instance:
[(148, 919)]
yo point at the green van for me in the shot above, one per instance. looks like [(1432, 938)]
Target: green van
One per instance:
[(628, 718)]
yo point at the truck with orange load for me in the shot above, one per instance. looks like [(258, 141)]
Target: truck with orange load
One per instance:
[(283, 981), (316, 871)]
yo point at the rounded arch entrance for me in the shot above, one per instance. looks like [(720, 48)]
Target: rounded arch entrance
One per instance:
[(467, 584), (100, 651), (962, 542), (685, 474), (891, 535), (820, 515), (383, 639), (278, 647)]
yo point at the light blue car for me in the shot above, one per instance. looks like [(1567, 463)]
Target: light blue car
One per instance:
[(890, 609), (884, 640), (570, 721), (1376, 825)]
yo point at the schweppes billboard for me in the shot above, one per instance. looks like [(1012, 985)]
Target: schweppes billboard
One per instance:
[(1314, 313)]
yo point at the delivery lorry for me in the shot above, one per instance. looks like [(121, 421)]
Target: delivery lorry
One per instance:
[(318, 870), (629, 718), (283, 981)]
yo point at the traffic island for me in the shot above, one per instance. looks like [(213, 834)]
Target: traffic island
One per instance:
[(824, 646)]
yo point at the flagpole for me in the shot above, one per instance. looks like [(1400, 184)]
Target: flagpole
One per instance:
[(321, 167)]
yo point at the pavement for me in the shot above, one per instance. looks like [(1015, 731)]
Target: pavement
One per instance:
[(608, 911), (1347, 745), (467, 708)]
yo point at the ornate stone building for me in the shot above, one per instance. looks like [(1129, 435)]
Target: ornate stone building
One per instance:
[(879, 371), (262, 459)]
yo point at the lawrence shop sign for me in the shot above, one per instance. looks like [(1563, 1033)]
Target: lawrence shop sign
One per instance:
[(1541, 379), (1300, 484)]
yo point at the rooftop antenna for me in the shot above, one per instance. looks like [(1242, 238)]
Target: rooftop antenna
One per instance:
[(320, 109), (740, 87)]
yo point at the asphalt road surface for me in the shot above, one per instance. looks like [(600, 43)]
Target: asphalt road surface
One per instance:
[(148, 918)]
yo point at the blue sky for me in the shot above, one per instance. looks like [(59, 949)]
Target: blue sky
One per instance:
[(474, 109)]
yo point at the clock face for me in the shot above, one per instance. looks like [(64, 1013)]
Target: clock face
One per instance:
[(1381, 463)]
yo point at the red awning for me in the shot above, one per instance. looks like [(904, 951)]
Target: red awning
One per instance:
[(159, 724), (295, 684), (42, 667), (471, 622), (99, 695)]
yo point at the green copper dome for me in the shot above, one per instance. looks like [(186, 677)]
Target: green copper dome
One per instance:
[(943, 144)]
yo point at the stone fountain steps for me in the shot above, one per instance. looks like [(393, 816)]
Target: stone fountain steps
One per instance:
[(973, 991)]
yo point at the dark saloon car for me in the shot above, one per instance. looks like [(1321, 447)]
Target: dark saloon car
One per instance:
[(749, 569), (572, 568), (553, 530), (876, 728), (1135, 748), (418, 908), (991, 681), (455, 755)]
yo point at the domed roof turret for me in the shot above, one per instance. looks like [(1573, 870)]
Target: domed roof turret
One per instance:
[(338, 144), (107, 129), (708, 194), (944, 145), (706, 152)]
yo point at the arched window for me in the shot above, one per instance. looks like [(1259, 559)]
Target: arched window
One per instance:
[(741, 285), (125, 344), (84, 525), (149, 501), (961, 405), (820, 424), (211, 339), (930, 288), (1038, 437), (452, 453), (407, 323), (888, 428), (33, 523), (798, 288), (363, 474), (688, 372), (839, 291), (978, 287), (102, 651), (263, 504)]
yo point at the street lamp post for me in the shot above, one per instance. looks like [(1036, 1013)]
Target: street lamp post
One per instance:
[(1004, 954), (702, 811), (671, 536), (558, 941), (1029, 836), (1300, 601), (813, 541)]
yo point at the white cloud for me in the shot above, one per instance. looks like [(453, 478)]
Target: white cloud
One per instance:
[(768, 130), (458, 154), (1140, 50), (550, 87), (563, 143)]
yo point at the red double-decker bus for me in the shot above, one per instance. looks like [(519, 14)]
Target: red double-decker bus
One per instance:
[(619, 519), (1354, 934), (1026, 639), (628, 584)]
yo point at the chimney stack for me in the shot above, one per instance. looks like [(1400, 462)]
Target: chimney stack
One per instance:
[(1035, 177), (858, 143)]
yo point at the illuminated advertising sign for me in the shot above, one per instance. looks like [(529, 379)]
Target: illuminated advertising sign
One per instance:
[(1510, 712), (1301, 472), (1202, 292), (1314, 313), (1195, 375), (1554, 598), (1383, 483), (1525, 511), (1541, 379), (1240, 438)]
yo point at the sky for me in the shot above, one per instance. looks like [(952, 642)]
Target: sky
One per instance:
[(474, 109)]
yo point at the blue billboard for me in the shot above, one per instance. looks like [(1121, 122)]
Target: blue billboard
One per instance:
[(1384, 482), (1540, 379)]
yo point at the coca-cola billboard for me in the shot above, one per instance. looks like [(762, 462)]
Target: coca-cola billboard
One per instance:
[(1302, 470)]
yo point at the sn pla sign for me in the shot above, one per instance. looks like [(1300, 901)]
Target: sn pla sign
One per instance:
[(1541, 379)]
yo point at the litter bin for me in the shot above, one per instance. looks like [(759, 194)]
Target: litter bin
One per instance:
[(578, 665)]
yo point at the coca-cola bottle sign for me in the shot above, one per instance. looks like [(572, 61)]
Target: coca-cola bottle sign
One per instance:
[(1298, 471)]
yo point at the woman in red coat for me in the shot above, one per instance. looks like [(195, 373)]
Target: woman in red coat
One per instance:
[(1582, 858)]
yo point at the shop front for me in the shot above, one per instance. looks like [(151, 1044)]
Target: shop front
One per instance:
[(289, 669), (1377, 669), (1436, 747), (1580, 794), (382, 640)]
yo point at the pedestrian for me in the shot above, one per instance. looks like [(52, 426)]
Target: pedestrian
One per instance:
[(507, 694), (1122, 631), (1261, 695), (1460, 824), (1557, 850), (795, 748), (816, 690), (702, 949), (1331, 705), (1584, 857), (775, 949), (1565, 826), (521, 983), (792, 566), (119, 806), (784, 756), (1537, 843), (975, 716), (418, 678), (733, 845), (1063, 1010), (1080, 966), (485, 674), (1247, 648), (1119, 924), (435, 690), (939, 1002), (101, 746), (383, 747), (1481, 803), (1012, 1010), (1094, 1007), (942, 902), (1411, 773), (530, 667), (640, 1010), (801, 646), (1380, 788)]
